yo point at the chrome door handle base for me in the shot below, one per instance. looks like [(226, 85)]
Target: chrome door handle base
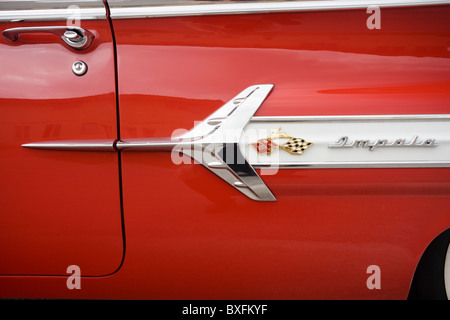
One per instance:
[(75, 37)]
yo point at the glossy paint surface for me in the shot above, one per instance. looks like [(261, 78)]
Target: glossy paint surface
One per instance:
[(58, 208), (203, 239)]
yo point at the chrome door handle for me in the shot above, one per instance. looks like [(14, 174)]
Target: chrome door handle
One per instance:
[(75, 37)]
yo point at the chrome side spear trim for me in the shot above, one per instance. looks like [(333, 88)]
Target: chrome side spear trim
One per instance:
[(73, 145), (214, 143)]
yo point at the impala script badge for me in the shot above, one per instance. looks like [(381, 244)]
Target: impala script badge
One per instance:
[(372, 145), (293, 145)]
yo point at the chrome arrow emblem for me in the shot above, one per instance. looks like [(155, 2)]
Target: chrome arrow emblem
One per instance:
[(214, 143)]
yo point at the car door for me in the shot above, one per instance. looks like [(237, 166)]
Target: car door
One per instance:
[(59, 208), (330, 79)]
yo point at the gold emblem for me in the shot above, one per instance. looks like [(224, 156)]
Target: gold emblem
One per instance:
[(293, 145)]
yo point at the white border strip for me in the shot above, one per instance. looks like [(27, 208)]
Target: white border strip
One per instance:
[(119, 12)]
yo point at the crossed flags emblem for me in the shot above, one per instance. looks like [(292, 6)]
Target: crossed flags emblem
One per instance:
[(294, 145)]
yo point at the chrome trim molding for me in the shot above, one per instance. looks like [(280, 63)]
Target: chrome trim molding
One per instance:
[(24, 11), (74, 145), (121, 9), (224, 142), (214, 143)]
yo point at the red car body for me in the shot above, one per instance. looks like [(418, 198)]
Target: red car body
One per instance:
[(141, 227)]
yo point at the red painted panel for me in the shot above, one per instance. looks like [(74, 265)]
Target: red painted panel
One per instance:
[(200, 237), (58, 208), (322, 63), (191, 236)]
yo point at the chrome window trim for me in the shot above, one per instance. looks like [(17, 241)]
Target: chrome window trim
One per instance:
[(121, 9), (24, 11)]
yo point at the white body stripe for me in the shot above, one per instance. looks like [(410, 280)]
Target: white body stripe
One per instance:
[(364, 131)]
